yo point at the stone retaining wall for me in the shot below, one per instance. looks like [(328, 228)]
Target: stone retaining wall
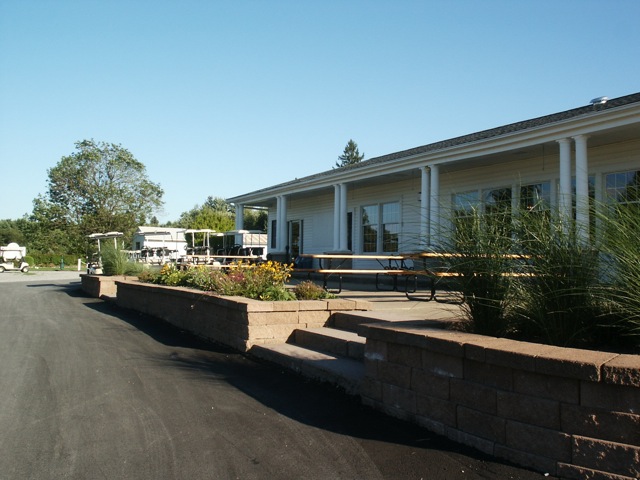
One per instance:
[(571, 413), (237, 322), (100, 286)]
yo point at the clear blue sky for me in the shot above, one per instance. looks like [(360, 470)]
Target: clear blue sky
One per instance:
[(222, 98)]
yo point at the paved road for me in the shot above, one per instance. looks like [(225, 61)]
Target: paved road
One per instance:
[(88, 391)]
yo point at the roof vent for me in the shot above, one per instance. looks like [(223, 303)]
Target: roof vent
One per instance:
[(599, 101)]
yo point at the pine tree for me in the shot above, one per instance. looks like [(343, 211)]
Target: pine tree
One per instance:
[(350, 156)]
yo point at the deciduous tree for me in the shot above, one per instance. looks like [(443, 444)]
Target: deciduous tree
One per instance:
[(101, 187)]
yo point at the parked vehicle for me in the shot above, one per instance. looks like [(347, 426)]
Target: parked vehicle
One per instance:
[(12, 259)]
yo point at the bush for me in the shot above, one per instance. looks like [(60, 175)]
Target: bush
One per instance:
[(558, 304), (480, 245), (559, 289), (307, 290), (116, 262), (622, 250)]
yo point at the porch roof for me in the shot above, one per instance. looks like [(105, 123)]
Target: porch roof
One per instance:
[(475, 145)]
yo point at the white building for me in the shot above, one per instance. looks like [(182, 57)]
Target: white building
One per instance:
[(564, 159)]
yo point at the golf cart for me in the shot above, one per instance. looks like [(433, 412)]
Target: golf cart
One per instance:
[(12, 256)]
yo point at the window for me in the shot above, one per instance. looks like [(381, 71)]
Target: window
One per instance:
[(497, 210), (274, 231), (623, 187), (390, 227), (382, 218), (536, 196), (466, 206), (370, 228), (497, 201)]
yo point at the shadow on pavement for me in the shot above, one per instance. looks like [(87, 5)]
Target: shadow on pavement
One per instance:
[(296, 397)]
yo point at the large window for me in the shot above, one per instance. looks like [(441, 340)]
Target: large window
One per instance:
[(466, 206), (535, 197), (623, 187), (381, 227), (390, 227)]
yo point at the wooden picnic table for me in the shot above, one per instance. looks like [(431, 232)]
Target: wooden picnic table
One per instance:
[(217, 260), (388, 265)]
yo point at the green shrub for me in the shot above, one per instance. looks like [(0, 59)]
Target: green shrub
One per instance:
[(480, 244), (307, 290), (116, 262), (558, 304), (622, 251)]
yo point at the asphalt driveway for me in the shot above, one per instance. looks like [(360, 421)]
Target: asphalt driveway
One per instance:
[(90, 391)]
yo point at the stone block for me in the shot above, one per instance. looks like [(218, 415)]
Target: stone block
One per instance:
[(436, 409), (488, 374), (617, 458), (371, 389), (312, 305), (539, 441), (517, 355), (425, 383), (574, 472), (399, 398), (431, 425), (442, 365), (476, 348), (273, 332), (375, 350), (404, 355), (572, 363), (394, 374), (474, 395), (481, 424), (606, 396), (547, 386), (313, 318), (602, 424), (531, 410), (622, 370), (473, 441)]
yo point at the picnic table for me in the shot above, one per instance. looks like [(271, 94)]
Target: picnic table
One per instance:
[(217, 260), (421, 268), (339, 265)]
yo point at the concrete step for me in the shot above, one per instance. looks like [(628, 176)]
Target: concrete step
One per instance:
[(350, 321), (329, 340), (346, 373)]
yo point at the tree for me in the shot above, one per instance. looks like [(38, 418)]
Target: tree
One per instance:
[(350, 156), (256, 220), (99, 188), (215, 214)]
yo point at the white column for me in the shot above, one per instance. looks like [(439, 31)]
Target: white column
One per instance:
[(564, 195), (425, 177), (336, 217), (282, 229), (582, 188), (434, 206), (278, 220), (343, 217), (239, 216)]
